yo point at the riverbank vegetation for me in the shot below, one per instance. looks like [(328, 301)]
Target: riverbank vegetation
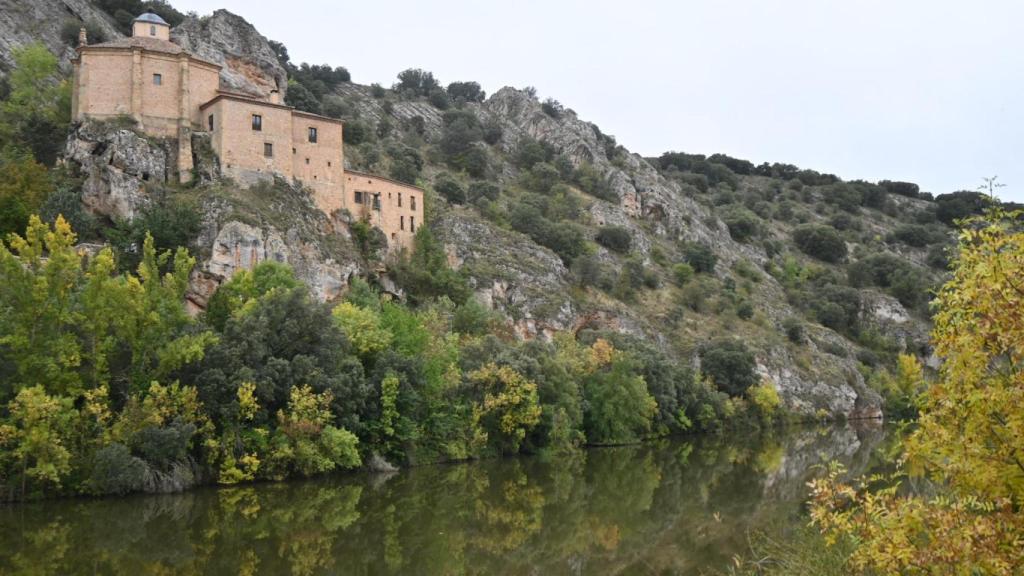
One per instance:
[(110, 386), (954, 506)]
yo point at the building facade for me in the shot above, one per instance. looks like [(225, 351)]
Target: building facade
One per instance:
[(170, 93)]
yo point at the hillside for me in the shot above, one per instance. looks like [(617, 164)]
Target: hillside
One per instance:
[(554, 225)]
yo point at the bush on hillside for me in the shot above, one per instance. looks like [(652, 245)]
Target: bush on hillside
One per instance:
[(730, 365), (820, 241), (700, 257), (614, 238), (958, 205)]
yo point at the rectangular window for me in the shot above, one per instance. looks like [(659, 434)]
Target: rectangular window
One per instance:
[(209, 122), (152, 30), (412, 223), (257, 122), (376, 201), (268, 149), (359, 197), (412, 202), (399, 199), (401, 222), (328, 163), (158, 79), (312, 134)]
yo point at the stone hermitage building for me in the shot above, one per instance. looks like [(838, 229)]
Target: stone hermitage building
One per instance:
[(170, 93)]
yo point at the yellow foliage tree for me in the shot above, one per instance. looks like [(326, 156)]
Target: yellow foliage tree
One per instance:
[(970, 441)]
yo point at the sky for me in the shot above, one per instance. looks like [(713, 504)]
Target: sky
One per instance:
[(928, 91)]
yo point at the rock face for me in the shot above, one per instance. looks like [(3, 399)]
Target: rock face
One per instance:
[(23, 22), (117, 164), (249, 64), (509, 273), (236, 246)]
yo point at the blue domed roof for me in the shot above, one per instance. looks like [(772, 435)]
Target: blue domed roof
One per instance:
[(151, 18)]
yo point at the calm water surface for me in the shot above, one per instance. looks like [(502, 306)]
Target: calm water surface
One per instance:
[(672, 507)]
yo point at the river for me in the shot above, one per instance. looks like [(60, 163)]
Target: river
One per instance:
[(679, 506)]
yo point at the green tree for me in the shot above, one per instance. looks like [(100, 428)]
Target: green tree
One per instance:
[(24, 186), (38, 108), (730, 365), (507, 408), (820, 241), (246, 286)]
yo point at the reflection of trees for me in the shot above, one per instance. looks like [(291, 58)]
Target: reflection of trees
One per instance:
[(670, 506)]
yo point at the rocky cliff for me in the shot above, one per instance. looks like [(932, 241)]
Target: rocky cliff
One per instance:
[(533, 287), (23, 22)]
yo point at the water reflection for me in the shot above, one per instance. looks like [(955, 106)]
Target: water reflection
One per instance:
[(673, 507)]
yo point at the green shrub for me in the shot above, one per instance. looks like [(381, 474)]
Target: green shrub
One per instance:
[(450, 189), (730, 365), (466, 92), (821, 242), (615, 238), (481, 189), (958, 205), (745, 310), (439, 99), (682, 273), (743, 224), (908, 189), (116, 471), (700, 257), (416, 82), (553, 108), (794, 330), (914, 235)]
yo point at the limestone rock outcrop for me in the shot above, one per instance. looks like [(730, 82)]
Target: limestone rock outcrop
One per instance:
[(249, 63), (23, 22), (117, 164)]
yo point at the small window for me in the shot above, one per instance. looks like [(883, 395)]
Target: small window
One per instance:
[(312, 134), (401, 222), (209, 122), (412, 223), (359, 197), (307, 161), (399, 199), (152, 30), (394, 236), (328, 163), (376, 202), (268, 149), (158, 79), (294, 151), (257, 122), (412, 202)]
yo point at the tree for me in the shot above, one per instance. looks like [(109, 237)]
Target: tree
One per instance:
[(416, 82), (246, 286), (508, 407), (38, 108), (820, 241), (306, 440), (466, 92), (24, 186), (301, 98), (958, 205), (39, 422), (743, 224), (730, 365), (619, 408), (363, 329), (970, 435)]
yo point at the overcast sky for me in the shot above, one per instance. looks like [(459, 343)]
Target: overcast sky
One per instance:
[(930, 91)]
